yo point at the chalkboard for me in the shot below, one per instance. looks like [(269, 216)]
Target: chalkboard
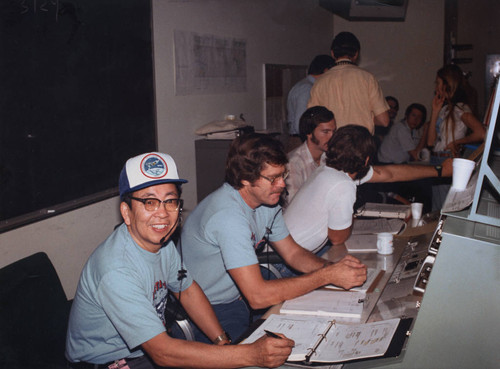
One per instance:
[(77, 100)]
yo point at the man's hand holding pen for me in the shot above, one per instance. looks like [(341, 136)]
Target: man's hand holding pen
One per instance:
[(273, 349)]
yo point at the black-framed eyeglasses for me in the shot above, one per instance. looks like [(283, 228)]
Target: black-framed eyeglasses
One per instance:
[(152, 204), (282, 176)]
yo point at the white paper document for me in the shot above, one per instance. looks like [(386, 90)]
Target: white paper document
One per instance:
[(326, 303), (361, 243), (457, 200), (320, 339)]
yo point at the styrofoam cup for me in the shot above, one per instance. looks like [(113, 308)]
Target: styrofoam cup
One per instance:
[(462, 170), (416, 210), (424, 155), (385, 243)]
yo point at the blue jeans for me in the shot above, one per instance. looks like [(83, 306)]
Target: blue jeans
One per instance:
[(234, 317), (287, 272)]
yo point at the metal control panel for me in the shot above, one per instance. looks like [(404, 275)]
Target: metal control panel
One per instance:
[(426, 268)]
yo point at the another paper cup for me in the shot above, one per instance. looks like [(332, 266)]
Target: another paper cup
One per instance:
[(462, 170), (416, 210), (384, 243)]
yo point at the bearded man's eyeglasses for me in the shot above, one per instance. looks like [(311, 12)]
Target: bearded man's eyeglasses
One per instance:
[(282, 176)]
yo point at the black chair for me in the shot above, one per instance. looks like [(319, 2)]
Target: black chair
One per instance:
[(34, 314), (266, 260), (175, 314)]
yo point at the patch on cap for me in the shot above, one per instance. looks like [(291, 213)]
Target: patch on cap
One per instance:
[(153, 166)]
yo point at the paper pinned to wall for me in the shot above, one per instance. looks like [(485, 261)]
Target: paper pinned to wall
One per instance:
[(209, 64)]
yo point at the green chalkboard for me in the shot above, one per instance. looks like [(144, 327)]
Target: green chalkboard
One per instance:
[(76, 100)]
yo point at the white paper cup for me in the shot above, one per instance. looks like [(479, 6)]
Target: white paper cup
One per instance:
[(416, 210), (416, 222), (384, 243), (462, 170), (424, 155)]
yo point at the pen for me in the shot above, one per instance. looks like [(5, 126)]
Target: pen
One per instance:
[(271, 334)]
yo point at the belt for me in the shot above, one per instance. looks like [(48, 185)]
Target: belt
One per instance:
[(442, 154), (85, 365)]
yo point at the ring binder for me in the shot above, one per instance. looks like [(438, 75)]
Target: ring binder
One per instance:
[(319, 341), (333, 342)]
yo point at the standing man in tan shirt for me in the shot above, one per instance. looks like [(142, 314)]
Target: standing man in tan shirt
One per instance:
[(350, 92)]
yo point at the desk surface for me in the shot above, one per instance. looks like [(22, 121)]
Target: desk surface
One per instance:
[(396, 285)]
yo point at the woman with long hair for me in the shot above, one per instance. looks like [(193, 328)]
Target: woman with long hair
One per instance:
[(452, 124)]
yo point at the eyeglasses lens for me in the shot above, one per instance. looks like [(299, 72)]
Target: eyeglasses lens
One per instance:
[(154, 204)]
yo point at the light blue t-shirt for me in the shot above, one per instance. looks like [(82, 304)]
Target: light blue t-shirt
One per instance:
[(221, 234), (400, 139), (121, 298), (297, 100)]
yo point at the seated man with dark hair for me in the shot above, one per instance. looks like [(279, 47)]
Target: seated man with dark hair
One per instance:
[(117, 318), (405, 139), (317, 125), (220, 238), (322, 209)]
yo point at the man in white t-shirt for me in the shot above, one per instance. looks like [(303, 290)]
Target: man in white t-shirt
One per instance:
[(322, 209)]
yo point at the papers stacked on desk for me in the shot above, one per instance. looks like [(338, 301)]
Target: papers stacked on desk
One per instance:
[(372, 209), (326, 303), (378, 225), (361, 243)]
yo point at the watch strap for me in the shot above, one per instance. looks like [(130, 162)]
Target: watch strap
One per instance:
[(439, 170)]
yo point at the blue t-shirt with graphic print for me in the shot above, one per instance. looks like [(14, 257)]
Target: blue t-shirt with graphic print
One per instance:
[(121, 298), (222, 233)]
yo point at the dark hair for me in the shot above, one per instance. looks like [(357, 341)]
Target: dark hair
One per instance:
[(419, 107), (387, 98), (348, 149), (248, 154), (320, 63), (345, 44), (310, 119), (127, 200)]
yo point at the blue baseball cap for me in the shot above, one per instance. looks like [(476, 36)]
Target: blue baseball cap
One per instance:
[(147, 170)]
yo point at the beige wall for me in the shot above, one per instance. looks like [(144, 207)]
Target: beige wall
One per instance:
[(404, 56), (277, 32), (68, 239)]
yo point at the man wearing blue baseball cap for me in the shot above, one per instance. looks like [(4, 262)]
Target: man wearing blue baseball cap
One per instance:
[(117, 318)]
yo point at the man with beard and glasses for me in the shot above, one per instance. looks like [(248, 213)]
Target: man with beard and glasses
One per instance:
[(322, 210), (221, 236), (316, 127)]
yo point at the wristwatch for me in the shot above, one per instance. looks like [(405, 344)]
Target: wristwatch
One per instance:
[(439, 169), (222, 337)]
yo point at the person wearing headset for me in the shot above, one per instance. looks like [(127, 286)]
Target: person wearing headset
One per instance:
[(117, 317)]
